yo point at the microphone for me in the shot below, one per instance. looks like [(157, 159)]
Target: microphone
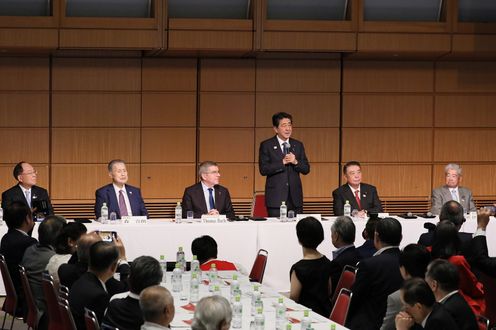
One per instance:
[(287, 149)]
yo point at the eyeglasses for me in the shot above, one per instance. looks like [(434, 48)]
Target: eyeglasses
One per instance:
[(30, 173), (213, 172)]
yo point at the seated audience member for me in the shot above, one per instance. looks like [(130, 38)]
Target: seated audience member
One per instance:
[(71, 272), (420, 307), (342, 236), (376, 278), (452, 211), (213, 312), (367, 249), (207, 196), (311, 276), (90, 290), (446, 245), (125, 313), (205, 249), (15, 242), (65, 246), (478, 255), (36, 258), (413, 260), (157, 307), (443, 279), (452, 191)]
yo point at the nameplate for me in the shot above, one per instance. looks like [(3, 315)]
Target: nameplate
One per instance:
[(305, 215), (213, 218), (135, 220), (383, 215)]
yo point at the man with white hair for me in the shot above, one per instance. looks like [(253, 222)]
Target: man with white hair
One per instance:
[(213, 312), (452, 191)]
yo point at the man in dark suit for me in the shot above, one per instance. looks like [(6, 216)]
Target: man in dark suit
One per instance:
[(477, 252), (443, 278), (361, 196), (420, 308), (89, 291), (121, 198), (26, 191), (367, 249), (377, 277), (343, 238), (282, 159), (207, 196), (14, 243)]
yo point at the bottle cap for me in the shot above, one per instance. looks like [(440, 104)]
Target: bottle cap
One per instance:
[(281, 300)]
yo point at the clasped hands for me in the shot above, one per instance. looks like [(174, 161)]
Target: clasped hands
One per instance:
[(289, 159)]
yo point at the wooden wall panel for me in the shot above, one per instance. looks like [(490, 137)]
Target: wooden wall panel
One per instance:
[(387, 144), (86, 177), (399, 180), (387, 76), (307, 109), (226, 145), (7, 179), (161, 181), (322, 179), (175, 145), (238, 178), (95, 145), (466, 77), (114, 74), (168, 74), (109, 39), (465, 110), (210, 40), (24, 74), (298, 76), (34, 108), (31, 145), (475, 177), (227, 109), (423, 43), (96, 110), (387, 110), (169, 109), (225, 75), (309, 41), (464, 145)]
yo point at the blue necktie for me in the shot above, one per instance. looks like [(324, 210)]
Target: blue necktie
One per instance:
[(211, 198)]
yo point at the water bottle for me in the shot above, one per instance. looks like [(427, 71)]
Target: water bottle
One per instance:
[(194, 288), (195, 267), (283, 212), (163, 266), (181, 259), (280, 314), (306, 322), (1, 216), (104, 215), (260, 320), (237, 320), (179, 213), (177, 278), (212, 277), (347, 209), (289, 326), (235, 290), (254, 297)]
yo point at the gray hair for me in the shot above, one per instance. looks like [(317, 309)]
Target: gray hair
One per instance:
[(203, 168), (345, 228), (153, 301), (453, 166), (211, 312), (113, 162)]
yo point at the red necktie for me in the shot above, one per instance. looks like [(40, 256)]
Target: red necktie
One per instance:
[(122, 204), (357, 197)]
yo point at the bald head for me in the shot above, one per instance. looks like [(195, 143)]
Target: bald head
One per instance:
[(83, 246), (157, 305)]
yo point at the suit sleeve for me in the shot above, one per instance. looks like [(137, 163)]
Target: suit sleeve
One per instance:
[(266, 166), (471, 203), (143, 210), (337, 203), (303, 166), (100, 198), (49, 204), (437, 201), (479, 256), (187, 204), (377, 207), (229, 210), (360, 287), (6, 201)]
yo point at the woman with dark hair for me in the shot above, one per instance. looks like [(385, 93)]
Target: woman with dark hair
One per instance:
[(65, 246), (311, 276), (446, 245)]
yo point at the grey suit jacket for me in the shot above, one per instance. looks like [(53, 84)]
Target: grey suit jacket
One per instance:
[(394, 306), (442, 195)]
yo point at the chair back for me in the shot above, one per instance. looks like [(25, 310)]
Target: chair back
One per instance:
[(90, 320), (346, 280), (10, 303), (66, 315), (32, 317), (482, 322), (52, 301), (258, 269), (340, 310), (258, 208), (63, 292)]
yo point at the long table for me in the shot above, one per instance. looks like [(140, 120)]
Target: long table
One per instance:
[(239, 241)]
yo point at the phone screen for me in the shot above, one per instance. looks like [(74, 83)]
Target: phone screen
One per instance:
[(107, 236)]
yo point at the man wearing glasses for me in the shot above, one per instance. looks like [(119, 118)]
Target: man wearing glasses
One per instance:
[(26, 191), (207, 196)]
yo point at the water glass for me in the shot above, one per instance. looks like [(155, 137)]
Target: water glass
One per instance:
[(190, 215), (291, 215)]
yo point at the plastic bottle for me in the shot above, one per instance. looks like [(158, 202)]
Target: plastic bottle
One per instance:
[(289, 326), (163, 266), (237, 320), (306, 321), (178, 213), (235, 289), (180, 258), (177, 278), (194, 288), (104, 215), (281, 319), (283, 212), (212, 277), (347, 209), (254, 298), (195, 267), (259, 320)]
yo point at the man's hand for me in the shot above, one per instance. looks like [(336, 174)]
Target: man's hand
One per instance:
[(362, 214), (403, 321), (290, 159), (213, 212), (120, 246), (483, 215)]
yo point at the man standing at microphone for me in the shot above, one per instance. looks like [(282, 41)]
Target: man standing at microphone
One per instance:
[(282, 159)]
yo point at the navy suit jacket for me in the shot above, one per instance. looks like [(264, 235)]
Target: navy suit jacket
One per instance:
[(15, 194), (440, 319), (282, 180), (106, 194), (369, 199), (461, 312), (194, 200)]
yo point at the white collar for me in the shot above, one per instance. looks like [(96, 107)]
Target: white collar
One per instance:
[(384, 249), (447, 296), (117, 189)]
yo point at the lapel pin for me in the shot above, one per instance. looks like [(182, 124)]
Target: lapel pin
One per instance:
[(275, 147)]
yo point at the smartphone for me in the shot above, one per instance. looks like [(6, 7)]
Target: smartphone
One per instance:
[(107, 236), (491, 209)]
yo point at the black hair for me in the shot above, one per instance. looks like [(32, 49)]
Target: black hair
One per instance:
[(389, 231), (350, 163), (445, 242), (102, 256), (277, 117), (370, 227), (415, 258), (452, 211), (15, 214), (18, 170), (204, 247), (49, 229), (145, 271), (445, 274), (310, 232), (73, 231), (416, 290)]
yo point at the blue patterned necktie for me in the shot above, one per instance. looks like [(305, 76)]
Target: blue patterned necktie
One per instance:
[(211, 198)]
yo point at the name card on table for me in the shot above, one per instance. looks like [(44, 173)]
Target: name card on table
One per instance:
[(304, 215), (135, 220), (213, 218)]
